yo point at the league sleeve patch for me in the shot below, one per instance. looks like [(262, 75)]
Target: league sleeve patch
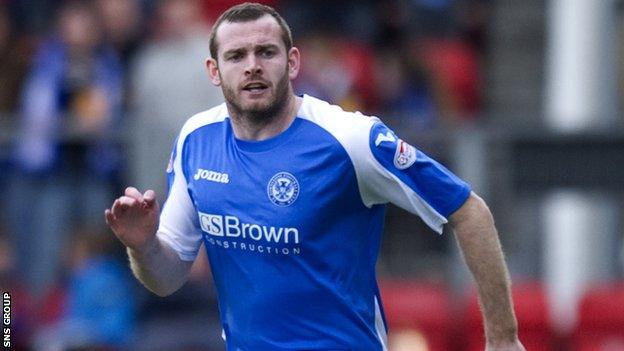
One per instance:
[(405, 155), (414, 175), (386, 144)]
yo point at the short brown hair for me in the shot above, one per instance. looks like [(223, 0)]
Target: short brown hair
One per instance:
[(246, 12)]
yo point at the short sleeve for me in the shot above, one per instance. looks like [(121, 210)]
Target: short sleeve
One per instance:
[(179, 226), (401, 174)]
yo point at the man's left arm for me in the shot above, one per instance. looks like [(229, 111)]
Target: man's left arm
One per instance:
[(476, 235)]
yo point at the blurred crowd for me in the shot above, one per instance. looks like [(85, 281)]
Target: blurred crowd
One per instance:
[(92, 95)]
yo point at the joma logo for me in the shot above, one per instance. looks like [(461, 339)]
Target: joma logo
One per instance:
[(211, 176)]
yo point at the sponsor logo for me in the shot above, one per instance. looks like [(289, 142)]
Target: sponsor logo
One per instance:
[(212, 176), (387, 137), (283, 189), (405, 155), (211, 224), (233, 227), (252, 247)]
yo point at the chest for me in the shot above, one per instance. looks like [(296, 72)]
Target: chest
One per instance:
[(281, 183)]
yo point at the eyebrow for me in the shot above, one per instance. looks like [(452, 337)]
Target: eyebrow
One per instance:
[(234, 51), (266, 46), (241, 50)]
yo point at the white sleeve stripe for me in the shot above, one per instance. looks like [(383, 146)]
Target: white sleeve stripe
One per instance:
[(176, 219), (420, 207), (179, 225), (343, 126)]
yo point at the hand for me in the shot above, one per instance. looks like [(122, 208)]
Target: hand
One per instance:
[(134, 218), (505, 346)]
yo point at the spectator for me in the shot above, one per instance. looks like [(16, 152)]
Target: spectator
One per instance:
[(122, 23), (408, 96), (14, 54), (356, 19), (169, 84), (65, 157), (123, 29), (99, 308), (455, 67), (337, 69)]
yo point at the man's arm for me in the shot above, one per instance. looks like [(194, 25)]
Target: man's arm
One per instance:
[(134, 220), (476, 235), (159, 268)]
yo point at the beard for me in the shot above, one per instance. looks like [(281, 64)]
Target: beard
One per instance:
[(259, 113)]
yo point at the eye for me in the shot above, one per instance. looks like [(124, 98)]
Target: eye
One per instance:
[(234, 57), (267, 53)]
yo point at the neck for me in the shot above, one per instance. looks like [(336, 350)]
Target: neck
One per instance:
[(247, 127)]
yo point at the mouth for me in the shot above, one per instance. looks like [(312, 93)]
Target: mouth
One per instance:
[(255, 87)]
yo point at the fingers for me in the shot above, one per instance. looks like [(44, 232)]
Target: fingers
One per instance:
[(126, 202), (132, 200), (149, 198), (122, 204), (134, 193), (109, 217)]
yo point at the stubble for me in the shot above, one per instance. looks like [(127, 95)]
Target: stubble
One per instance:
[(261, 115)]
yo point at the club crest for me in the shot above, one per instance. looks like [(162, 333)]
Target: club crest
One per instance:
[(283, 189)]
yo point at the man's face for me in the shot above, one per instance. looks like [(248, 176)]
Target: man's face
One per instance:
[(253, 69)]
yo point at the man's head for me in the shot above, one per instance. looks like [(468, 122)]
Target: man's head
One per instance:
[(248, 12), (253, 60)]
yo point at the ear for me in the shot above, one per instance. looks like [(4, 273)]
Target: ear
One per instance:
[(213, 71), (294, 60)]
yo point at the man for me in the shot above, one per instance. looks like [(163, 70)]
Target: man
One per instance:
[(287, 194)]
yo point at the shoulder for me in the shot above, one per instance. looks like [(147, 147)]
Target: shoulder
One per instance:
[(347, 127), (214, 115)]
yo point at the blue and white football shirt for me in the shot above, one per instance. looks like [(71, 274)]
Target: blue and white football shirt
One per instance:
[(293, 224)]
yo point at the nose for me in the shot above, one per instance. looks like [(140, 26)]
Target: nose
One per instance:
[(253, 66)]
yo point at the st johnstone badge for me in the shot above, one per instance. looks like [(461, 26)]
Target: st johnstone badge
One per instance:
[(283, 189)]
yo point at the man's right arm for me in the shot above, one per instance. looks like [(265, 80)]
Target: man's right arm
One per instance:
[(159, 268), (134, 220)]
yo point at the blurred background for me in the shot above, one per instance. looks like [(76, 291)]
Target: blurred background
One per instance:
[(523, 99)]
